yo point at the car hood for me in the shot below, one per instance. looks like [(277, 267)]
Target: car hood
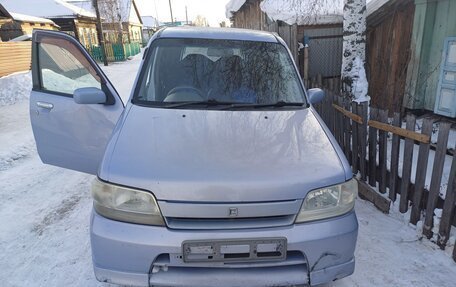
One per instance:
[(222, 156)]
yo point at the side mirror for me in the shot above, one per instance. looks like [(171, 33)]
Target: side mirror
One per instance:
[(315, 95), (89, 96)]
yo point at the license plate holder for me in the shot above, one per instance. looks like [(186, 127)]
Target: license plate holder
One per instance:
[(235, 250)]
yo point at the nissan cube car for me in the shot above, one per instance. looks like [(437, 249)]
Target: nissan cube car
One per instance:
[(216, 172)]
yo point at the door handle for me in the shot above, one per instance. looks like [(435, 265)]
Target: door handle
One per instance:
[(45, 105)]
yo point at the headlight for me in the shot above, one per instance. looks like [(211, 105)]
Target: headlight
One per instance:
[(328, 202), (125, 204)]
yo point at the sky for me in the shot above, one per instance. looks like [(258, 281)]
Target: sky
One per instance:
[(213, 10)]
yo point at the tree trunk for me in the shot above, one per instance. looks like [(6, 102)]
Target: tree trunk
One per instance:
[(100, 32), (354, 79), (119, 19)]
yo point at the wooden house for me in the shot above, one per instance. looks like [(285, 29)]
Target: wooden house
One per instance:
[(72, 19), (13, 25), (318, 34), (116, 13), (389, 31), (412, 55), (431, 76)]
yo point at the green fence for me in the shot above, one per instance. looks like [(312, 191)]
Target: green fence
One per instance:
[(115, 52)]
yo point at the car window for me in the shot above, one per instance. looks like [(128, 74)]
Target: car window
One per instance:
[(180, 70), (64, 71)]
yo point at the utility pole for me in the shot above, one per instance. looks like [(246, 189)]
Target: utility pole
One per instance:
[(100, 32), (171, 11), (186, 15), (157, 24)]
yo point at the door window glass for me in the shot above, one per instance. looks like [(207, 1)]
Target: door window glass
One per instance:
[(64, 68)]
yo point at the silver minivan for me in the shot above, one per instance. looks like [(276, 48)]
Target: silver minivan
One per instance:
[(216, 172)]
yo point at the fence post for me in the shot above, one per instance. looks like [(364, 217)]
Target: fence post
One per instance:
[(373, 149), (394, 159), (354, 138), (382, 151), (340, 123), (420, 177), (331, 113), (362, 109), (407, 166), (347, 130), (437, 169), (448, 207)]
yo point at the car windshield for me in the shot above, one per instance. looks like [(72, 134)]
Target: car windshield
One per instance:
[(184, 72)]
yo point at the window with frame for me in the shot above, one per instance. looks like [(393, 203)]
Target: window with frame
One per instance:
[(64, 68)]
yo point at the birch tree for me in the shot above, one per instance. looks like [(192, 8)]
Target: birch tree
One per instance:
[(354, 78), (353, 74), (113, 13)]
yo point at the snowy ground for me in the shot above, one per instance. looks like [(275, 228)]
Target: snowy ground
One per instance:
[(44, 218)]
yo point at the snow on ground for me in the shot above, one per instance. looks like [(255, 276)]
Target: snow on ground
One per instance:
[(429, 168), (15, 87), (45, 211), (122, 75)]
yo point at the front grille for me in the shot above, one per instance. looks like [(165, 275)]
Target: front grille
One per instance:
[(229, 223), (211, 216)]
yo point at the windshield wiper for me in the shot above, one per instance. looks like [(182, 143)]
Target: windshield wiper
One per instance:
[(278, 104), (209, 103)]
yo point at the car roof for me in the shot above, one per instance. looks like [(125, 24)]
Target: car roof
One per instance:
[(218, 33)]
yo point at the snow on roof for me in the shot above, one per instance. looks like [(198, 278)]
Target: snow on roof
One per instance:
[(46, 8), (82, 4), (302, 12), (232, 7), (33, 19)]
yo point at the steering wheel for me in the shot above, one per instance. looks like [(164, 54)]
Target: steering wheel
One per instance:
[(184, 94)]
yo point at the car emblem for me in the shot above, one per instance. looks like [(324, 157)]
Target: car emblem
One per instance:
[(232, 212)]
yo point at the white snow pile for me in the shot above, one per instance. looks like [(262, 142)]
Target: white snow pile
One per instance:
[(360, 85), (16, 139), (15, 87)]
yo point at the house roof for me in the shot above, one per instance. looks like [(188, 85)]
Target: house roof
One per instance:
[(32, 19), (302, 12), (128, 9), (4, 12), (46, 8)]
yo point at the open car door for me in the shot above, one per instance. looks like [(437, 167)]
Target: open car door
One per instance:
[(73, 106)]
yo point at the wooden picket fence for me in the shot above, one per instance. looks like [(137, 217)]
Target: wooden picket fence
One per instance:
[(363, 133), (115, 52)]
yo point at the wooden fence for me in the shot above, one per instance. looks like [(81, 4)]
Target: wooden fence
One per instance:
[(363, 134), (115, 52), (15, 57)]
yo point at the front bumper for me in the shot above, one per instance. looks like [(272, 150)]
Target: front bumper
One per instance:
[(140, 255)]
